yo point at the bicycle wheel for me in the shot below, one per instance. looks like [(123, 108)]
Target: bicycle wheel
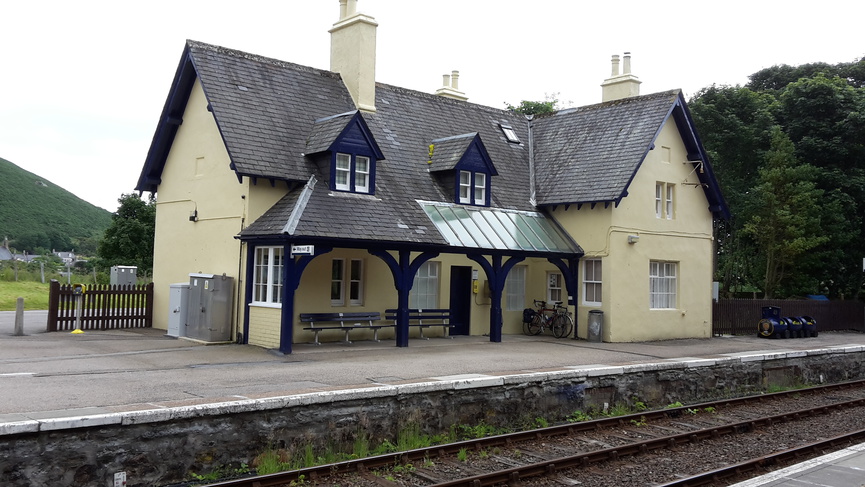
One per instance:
[(526, 327), (537, 325), (562, 326)]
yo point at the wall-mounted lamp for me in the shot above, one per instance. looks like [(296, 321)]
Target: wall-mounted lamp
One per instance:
[(193, 215), (632, 239)]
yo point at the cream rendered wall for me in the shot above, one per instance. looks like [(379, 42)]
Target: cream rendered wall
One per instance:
[(313, 296), (196, 177), (686, 239)]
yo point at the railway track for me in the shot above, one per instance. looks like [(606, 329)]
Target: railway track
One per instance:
[(701, 444)]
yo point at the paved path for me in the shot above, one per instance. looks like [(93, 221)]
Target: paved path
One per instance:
[(58, 371)]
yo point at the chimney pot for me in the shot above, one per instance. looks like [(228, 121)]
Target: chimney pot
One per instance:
[(455, 80), (615, 65), (446, 80), (626, 67)]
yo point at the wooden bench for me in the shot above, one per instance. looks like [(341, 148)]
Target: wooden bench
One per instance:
[(425, 318), (347, 322)]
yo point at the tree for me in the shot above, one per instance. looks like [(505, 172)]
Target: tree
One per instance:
[(537, 108), (735, 124), (129, 238), (786, 223)]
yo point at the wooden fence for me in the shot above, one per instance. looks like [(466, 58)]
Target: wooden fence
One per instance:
[(103, 307), (740, 316)]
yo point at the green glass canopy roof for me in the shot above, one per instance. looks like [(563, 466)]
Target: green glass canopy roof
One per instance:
[(498, 229)]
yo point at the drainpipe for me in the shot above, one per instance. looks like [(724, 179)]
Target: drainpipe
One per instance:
[(532, 195)]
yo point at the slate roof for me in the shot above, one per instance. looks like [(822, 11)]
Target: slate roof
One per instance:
[(448, 151), (404, 125), (325, 131), (590, 154), (271, 114)]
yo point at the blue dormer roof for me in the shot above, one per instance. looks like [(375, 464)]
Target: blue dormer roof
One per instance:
[(346, 132), (464, 152)]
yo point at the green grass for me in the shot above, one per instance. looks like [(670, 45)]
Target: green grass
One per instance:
[(35, 295)]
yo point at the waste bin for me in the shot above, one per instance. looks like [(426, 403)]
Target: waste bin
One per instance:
[(596, 325)]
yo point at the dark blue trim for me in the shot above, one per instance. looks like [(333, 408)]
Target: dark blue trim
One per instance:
[(497, 274), (169, 122), (355, 139), (403, 279), (247, 290), (571, 273), (292, 270)]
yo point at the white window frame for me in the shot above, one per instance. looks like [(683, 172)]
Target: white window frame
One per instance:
[(425, 290), (555, 287), (465, 182), (342, 170), (473, 187), (361, 174), (356, 180), (515, 289), (344, 283), (665, 200), (592, 282), (355, 282), (663, 284), (337, 282), (669, 200), (480, 188), (267, 276)]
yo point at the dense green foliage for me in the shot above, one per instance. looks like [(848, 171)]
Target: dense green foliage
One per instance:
[(789, 152), (38, 216), (129, 239), (538, 108)]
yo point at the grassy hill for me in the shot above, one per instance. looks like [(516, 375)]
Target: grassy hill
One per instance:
[(32, 207)]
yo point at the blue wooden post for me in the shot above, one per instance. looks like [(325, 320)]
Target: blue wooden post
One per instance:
[(496, 273), (403, 279), (570, 272), (292, 270)]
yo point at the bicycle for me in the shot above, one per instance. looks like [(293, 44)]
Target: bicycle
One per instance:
[(557, 319)]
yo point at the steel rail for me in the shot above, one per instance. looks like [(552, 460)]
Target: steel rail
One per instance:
[(420, 454), (713, 476), (548, 467)]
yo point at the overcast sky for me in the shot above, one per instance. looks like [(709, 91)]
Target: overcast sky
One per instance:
[(82, 83)]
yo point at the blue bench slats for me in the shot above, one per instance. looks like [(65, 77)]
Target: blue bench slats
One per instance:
[(425, 318), (347, 322)]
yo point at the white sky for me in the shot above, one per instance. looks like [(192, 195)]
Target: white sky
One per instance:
[(82, 84)]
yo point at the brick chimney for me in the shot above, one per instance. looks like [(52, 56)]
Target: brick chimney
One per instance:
[(352, 53), (619, 86), (451, 87)]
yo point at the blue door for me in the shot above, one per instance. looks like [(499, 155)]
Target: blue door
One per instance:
[(461, 299)]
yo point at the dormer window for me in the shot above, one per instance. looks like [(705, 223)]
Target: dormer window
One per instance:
[(351, 173), (464, 166), (352, 148), (473, 188)]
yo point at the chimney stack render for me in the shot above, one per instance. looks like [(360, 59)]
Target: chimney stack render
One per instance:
[(451, 87), (619, 86), (352, 53)]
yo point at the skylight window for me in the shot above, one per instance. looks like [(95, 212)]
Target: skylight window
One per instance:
[(510, 134)]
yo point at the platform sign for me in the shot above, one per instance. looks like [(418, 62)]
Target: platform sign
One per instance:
[(302, 250)]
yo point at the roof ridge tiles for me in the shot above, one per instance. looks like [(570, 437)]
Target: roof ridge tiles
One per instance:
[(258, 58)]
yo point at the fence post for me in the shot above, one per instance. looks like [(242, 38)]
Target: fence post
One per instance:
[(148, 306), (53, 304)]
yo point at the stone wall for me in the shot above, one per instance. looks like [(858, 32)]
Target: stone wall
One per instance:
[(161, 447)]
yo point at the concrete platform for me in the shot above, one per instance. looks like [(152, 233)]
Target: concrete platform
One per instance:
[(61, 380)]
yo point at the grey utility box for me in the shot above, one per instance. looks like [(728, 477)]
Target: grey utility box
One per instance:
[(178, 298), (124, 275), (208, 312)]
